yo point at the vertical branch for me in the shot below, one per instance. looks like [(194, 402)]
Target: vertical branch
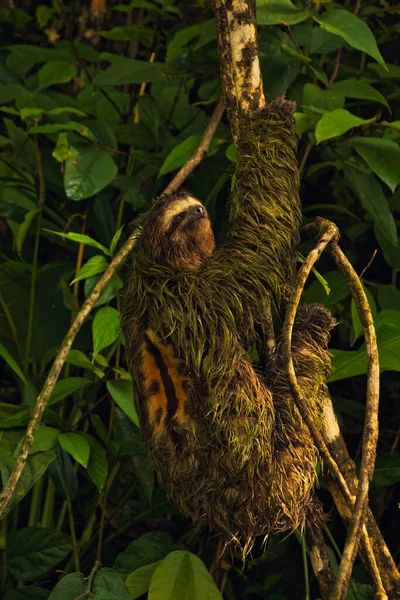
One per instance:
[(370, 437)]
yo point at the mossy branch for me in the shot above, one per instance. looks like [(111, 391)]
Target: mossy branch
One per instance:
[(54, 373)]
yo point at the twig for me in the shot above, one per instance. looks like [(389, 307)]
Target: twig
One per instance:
[(303, 160), (386, 9), (335, 68), (370, 437), (200, 152), (47, 389), (320, 561)]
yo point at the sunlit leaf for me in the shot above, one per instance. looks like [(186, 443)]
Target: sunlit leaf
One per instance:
[(382, 156), (105, 328), (352, 29), (337, 122)]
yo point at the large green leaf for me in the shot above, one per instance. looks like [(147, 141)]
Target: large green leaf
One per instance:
[(10, 360), (274, 12), (139, 33), (32, 551), (96, 264), (58, 71), (70, 587), (149, 548), (35, 466), (351, 363), (138, 582), (387, 469), (191, 38), (372, 198), (97, 467), (382, 156), (76, 445), (182, 576), (129, 70), (354, 88), (110, 582), (352, 29), (81, 239), (121, 391), (87, 171), (337, 122), (66, 387), (45, 439), (181, 153), (106, 326)]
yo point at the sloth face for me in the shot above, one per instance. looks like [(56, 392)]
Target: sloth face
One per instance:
[(178, 231), (188, 231)]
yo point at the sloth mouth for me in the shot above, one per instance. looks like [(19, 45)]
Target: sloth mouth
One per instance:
[(195, 219)]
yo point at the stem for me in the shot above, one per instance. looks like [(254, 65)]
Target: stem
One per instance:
[(35, 502), (75, 549), (305, 567), (47, 514), (103, 510), (33, 292), (10, 320)]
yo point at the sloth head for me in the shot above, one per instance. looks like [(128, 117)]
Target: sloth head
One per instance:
[(177, 231)]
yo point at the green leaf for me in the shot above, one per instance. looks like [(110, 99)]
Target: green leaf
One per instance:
[(81, 239), (182, 152), (372, 198), (387, 470), (337, 122), (316, 293), (12, 363), (70, 587), (230, 153), (58, 71), (97, 466), (354, 88), (60, 152), (111, 289), (43, 15), (111, 582), (391, 253), (274, 12), (149, 548), (382, 156), (352, 29), (191, 38), (182, 576), (358, 329), (139, 33), (388, 297), (50, 128), (138, 582), (24, 228), (76, 445), (129, 70), (105, 328), (351, 363), (45, 439), (66, 387), (32, 551), (35, 466), (122, 392), (96, 264), (87, 171), (115, 239)]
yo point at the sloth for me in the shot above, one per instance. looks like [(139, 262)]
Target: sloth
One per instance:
[(225, 438)]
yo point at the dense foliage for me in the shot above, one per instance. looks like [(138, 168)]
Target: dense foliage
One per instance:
[(98, 109)]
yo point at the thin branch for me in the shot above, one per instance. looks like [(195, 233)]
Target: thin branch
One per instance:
[(327, 232), (370, 437), (335, 68), (200, 152), (48, 387)]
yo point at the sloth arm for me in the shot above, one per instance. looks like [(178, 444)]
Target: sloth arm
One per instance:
[(265, 212)]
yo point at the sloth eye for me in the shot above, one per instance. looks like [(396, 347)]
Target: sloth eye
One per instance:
[(179, 218)]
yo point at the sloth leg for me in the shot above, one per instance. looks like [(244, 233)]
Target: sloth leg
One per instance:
[(295, 456)]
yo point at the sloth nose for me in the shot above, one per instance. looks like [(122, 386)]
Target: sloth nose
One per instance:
[(199, 210)]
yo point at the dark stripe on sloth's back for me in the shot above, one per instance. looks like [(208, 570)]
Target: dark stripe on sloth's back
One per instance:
[(172, 400)]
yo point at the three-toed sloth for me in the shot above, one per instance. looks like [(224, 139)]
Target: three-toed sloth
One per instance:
[(225, 438)]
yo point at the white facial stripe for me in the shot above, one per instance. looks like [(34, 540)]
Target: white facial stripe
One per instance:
[(176, 208)]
